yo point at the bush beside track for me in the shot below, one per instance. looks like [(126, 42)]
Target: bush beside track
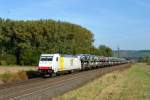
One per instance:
[(21, 75)]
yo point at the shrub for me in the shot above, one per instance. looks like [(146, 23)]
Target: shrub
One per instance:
[(8, 59), (3, 62), (148, 62), (32, 74), (29, 57), (6, 76), (22, 75), (13, 77)]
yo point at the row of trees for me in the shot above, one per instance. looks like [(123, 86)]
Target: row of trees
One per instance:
[(22, 42), (145, 59)]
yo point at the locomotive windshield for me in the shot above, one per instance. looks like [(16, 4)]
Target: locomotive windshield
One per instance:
[(46, 58)]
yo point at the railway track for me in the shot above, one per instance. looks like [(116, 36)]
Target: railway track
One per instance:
[(44, 89)]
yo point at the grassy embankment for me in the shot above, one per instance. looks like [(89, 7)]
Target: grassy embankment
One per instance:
[(131, 84), (10, 74)]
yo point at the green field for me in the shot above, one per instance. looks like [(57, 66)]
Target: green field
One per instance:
[(131, 84)]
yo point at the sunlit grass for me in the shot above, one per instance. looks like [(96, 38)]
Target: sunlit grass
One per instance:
[(131, 84)]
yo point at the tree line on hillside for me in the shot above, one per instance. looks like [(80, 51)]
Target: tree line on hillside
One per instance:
[(22, 42), (145, 59)]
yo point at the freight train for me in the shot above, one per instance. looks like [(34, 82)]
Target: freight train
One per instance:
[(58, 63)]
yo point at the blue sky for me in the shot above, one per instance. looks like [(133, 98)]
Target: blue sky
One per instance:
[(125, 23)]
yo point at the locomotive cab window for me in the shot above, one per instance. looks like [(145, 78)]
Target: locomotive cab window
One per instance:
[(56, 58), (46, 58)]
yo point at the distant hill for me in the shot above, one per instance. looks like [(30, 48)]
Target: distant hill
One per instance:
[(132, 53)]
